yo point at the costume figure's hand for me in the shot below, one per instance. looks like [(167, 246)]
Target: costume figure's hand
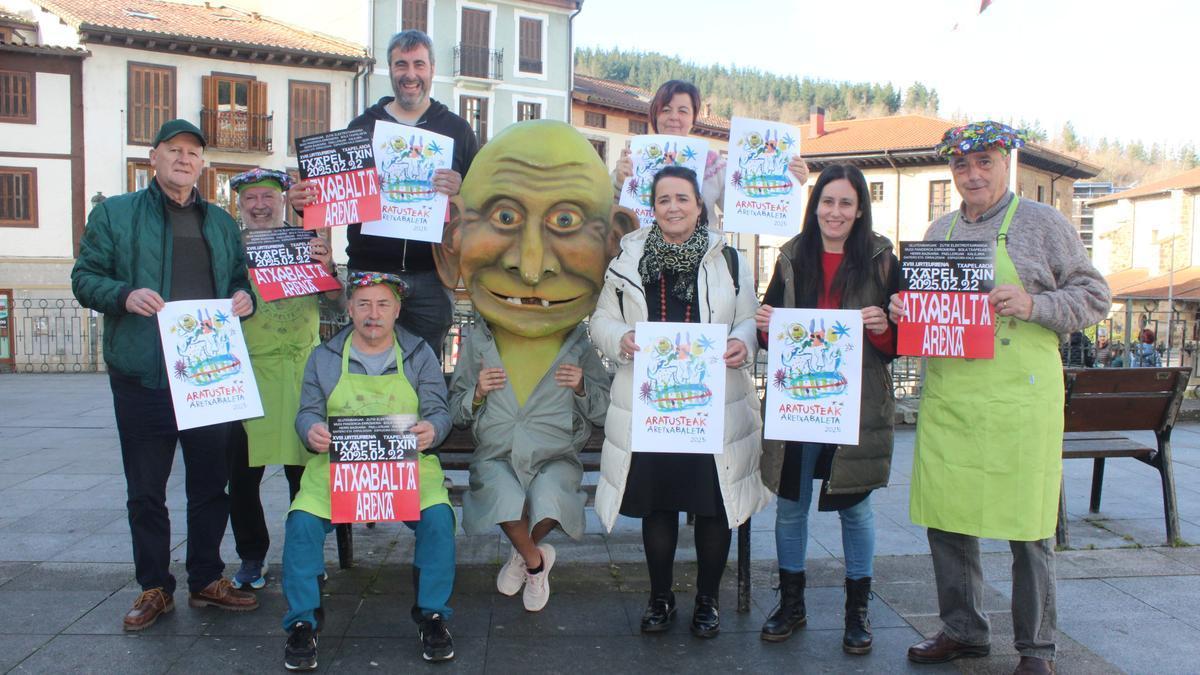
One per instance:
[(570, 376)]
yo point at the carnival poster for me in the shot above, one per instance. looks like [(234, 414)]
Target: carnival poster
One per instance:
[(679, 387), (761, 195), (944, 286), (281, 266), (651, 154), (208, 365), (814, 375), (373, 472), (406, 158), (343, 167)]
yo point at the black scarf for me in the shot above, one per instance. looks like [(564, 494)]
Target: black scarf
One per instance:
[(683, 260)]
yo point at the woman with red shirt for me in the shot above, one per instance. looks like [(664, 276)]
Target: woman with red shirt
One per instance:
[(836, 262)]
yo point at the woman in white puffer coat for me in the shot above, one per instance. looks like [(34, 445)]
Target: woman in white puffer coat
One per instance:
[(676, 270)]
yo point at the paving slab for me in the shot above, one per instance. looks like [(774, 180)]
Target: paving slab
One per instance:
[(402, 653), (44, 612), (106, 653)]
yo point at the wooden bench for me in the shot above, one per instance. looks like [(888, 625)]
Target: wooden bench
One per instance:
[(1101, 405), (455, 454)]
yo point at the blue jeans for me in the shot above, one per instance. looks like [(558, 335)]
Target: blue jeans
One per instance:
[(791, 525), (304, 561)]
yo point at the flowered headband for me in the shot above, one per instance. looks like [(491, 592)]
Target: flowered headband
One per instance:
[(260, 178), (364, 279), (979, 136)]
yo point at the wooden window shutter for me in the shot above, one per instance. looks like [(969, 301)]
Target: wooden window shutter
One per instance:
[(208, 116), (208, 184), (531, 46), (260, 125)]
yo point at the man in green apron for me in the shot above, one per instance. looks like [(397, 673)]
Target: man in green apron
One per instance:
[(280, 336), (987, 459), (373, 367)]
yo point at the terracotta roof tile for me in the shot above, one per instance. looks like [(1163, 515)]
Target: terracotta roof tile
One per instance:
[(630, 98), (202, 22), (1184, 284), (616, 94), (1187, 179), (875, 134)]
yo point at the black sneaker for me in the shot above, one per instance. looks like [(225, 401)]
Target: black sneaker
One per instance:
[(436, 643), (300, 652)]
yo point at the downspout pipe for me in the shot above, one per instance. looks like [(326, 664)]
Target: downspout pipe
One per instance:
[(571, 58), (887, 154)]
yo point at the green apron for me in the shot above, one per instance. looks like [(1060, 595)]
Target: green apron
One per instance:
[(280, 335), (364, 395), (988, 455)]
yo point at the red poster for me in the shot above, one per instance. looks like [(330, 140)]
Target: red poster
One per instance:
[(343, 166), (281, 266), (945, 287), (373, 472)]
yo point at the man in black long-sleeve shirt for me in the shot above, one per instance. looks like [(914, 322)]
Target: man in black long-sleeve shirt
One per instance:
[(428, 308)]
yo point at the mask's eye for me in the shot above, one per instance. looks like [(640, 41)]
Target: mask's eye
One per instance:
[(564, 219), (506, 217)]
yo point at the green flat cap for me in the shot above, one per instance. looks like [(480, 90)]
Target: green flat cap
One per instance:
[(172, 128)]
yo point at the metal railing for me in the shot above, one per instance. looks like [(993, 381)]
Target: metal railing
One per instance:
[(478, 61), (237, 130), (55, 335)]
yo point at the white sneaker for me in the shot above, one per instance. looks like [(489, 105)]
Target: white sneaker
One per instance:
[(512, 575), (537, 586)]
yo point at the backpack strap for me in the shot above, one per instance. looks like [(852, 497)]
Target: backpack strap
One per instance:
[(731, 259)]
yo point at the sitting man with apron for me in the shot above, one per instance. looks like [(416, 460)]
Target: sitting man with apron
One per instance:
[(373, 367), (987, 460)]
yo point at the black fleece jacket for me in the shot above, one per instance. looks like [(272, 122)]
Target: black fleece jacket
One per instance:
[(384, 254)]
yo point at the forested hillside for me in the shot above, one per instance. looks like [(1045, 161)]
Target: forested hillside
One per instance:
[(746, 91)]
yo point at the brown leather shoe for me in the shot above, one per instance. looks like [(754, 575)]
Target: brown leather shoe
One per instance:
[(1032, 665), (941, 648), (150, 604), (222, 595)]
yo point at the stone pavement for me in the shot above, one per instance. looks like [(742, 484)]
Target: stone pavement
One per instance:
[(1125, 603)]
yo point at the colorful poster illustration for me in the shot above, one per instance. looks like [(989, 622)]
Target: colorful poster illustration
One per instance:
[(343, 166), (814, 375), (679, 387), (944, 286), (761, 195), (406, 158), (373, 473), (208, 365), (650, 154), (281, 266)]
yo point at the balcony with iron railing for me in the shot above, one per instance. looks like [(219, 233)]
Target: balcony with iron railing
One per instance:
[(478, 62), (237, 130)]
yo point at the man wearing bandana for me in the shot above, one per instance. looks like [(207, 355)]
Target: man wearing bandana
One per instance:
[(987, 459), (372, 367), (280, 336)]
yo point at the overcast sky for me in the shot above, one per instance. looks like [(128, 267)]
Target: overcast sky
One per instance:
[(1113, 68)]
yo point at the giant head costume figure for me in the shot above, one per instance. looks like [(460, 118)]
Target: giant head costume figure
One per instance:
[(531, 234)]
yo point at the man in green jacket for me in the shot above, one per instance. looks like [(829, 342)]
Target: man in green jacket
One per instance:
[(139, 251)]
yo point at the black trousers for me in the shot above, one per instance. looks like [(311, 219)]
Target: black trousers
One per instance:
[(245, 507), (146, 426)]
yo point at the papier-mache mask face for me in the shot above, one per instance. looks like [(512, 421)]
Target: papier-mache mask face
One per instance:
[(533, 229)]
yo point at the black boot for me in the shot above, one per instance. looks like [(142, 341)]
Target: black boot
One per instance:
[(857, 638), (789, 614), (706, 617)]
